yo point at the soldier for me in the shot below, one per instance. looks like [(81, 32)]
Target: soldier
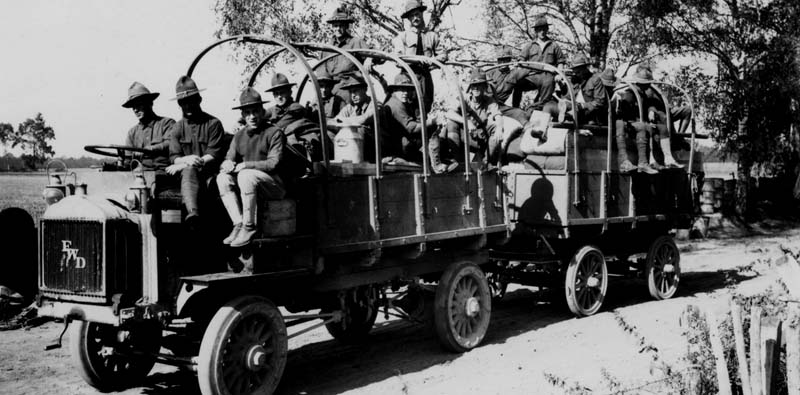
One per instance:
[(593, 102), (331, 103), (403, 122), (360, 112), (290, 116), (338, 66), (252, 164), (610, 80), (626, 115), (541, 50), (483, 115), (152, 132), (418, 40), (504, 79), (195, 147), (654, 111)]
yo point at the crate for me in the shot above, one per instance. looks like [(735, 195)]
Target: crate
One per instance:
[(279, 218)]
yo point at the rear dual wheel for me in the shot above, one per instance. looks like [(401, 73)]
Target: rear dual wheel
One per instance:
[(462, 307), (586, 281)]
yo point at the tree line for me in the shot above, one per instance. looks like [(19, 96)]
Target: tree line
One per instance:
[(33, 138), (749, 100)]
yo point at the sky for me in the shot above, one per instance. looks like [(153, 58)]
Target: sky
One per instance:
[(73, 61)]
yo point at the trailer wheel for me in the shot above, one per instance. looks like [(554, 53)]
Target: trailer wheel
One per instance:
[(663, 268), (360, 311), (462, 307), (244, 349), (586, 281), (103, 353)]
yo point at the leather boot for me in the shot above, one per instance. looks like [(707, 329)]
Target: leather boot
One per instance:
[(435, 157), (641, 149), (669, 161), (625, 164), (249, 212)]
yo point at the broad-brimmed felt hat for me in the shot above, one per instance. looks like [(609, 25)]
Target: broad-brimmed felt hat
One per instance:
[(540, 21), (249, 97), (411, 6), (340, 15), (353, 82), (476, 77), (186, 87), (138, 92), (323, 77), (608, 77), (279, 81), (402, 81), (579, 60), (643, 75), (504, 53)]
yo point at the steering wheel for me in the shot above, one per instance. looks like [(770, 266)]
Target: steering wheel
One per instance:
[(122, 150)]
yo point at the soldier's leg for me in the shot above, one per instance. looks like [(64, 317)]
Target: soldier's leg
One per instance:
[(452, 140), (642, 141), (625, 164), (251, 182), (227, 192), (190, 191), (546, 85)]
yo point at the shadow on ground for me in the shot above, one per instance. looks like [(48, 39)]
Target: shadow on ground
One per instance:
[(397, 348)]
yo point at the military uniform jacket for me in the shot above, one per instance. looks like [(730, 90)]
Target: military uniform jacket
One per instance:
[(338, 65), (156, 132), (200, 136), (549, 53), (405, 43), (594, 95), (332, 106), (502, 81), (284, 117), (352, 110), (259, 148), (402, 119)]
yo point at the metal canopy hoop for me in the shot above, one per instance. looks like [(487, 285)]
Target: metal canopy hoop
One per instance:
[(255, 39)]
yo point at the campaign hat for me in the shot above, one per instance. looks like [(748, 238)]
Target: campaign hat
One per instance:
[(340, 15), (608, 77), (504, 53), (401, 81), (249, 97), (186, 87), (476, 76), (353, 82), (279, 81), (642, 75), (540, 21), (139, 92), (579, 60), (411, 6)]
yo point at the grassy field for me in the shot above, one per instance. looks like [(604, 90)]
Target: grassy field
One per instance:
[(23, 190)]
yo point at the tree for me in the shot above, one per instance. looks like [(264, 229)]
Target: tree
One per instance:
[(594, 27), (304, 20), (34, 136), (754, 45)]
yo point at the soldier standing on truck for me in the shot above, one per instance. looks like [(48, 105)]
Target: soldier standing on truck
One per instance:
[(152, 131), (542, 50), (591, 96), (195, 147), (338, 67), (252, 165), (420, 41)]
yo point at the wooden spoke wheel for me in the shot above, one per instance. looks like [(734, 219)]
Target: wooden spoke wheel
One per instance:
[(462, 307), (586, 281), (111, 358), (663, 268), (360, 309), (244, 349)]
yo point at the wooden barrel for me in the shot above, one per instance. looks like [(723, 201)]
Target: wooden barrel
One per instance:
[(711, 196)]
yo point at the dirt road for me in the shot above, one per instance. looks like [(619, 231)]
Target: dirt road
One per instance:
[(532, 346)]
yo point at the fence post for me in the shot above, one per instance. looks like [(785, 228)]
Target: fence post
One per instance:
[(755, 350), (741, 354), (723, 379), (771, 355), (793, 350)]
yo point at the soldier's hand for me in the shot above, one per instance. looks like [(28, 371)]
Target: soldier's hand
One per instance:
[(240, 166), (193, 160), (176, 168), (227, 166)]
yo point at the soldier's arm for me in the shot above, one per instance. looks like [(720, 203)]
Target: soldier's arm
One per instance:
[(175, 151), (599, 94), (438, 49), (214, 148), (163, 145)]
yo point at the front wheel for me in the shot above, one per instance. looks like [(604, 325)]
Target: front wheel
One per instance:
[(244, 349), (663, 268), (586, 281), (462, 307), (111, 358)]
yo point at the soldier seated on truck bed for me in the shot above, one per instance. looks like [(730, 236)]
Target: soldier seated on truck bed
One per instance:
[(252, 163), (195, 149), (292, 118), (152, 132)]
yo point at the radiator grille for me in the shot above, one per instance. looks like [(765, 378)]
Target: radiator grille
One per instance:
[(72, 257)]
